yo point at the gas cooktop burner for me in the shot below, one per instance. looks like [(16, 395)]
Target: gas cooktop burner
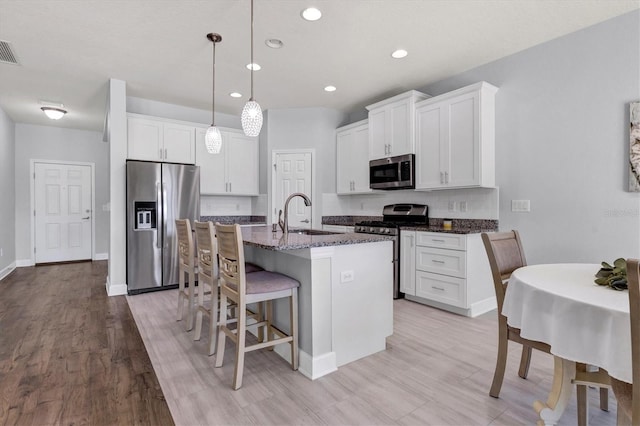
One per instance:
[(377, 223)]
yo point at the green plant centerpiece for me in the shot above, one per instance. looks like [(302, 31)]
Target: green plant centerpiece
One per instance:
[(613, 276)]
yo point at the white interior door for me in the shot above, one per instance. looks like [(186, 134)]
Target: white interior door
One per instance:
[(293, 174), (63, 214)]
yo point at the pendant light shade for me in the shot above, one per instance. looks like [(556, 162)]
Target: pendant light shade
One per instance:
[(251, 117), (213, 138)]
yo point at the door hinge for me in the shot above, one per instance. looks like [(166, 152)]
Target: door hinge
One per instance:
[(34, 213), (275, 166)]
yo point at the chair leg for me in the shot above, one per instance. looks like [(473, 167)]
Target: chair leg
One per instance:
[(221, 334), (191, 299), (240, 346), (268, 326), (604, 399), (525, 360), (583, 406), (501, 362), (293, 317), (180, 292), (198, 308), (213, 321), (261, 317), (621, 417)]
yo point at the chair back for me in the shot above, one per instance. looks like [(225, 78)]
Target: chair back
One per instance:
[(185, 243), (231, 260), (505, 253), (207, 250)]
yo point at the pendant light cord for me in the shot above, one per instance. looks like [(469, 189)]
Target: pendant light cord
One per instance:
[(213, 87), (252, 64)]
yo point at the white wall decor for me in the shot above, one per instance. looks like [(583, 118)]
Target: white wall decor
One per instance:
[(634, 147)]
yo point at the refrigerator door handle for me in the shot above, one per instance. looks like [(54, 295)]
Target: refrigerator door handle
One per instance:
[(164, 210), (159, 212)]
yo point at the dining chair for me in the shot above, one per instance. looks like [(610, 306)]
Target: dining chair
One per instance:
[(241, 288), (208, 285), (628, 394), (186, 266)]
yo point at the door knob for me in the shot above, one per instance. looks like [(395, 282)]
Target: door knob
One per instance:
[(305, 221), (85, 218)]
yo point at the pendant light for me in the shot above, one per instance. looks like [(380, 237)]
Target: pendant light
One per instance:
[(251, 113), (213, 138)]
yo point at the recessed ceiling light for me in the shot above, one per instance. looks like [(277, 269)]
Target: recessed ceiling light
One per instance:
[(254, 67), (400, 53), (274, 43), (330, 89), (235, 95), (311, 14)]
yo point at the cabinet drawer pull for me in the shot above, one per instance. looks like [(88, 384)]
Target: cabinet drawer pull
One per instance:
[(437, 241), (438, 261), (437, 288)]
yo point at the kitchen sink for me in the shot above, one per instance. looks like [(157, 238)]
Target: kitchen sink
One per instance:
[(313, 232)]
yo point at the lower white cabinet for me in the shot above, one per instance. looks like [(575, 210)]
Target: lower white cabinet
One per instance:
[(447, 271), (233, 171)]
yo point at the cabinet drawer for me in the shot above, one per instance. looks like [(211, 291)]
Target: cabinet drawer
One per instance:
[(441, 288), (442, 240), (440, 261)]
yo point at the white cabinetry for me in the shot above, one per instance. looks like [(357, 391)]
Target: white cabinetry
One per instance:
[(234, 171), (157, 139), (391, 125), (447, 271), (455, 139), (352, 166), (337, 228)]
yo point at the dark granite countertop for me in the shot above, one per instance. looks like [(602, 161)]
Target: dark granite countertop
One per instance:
[(242, 220), (263, 237), (459, 226)]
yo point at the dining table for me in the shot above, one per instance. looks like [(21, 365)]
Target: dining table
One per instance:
[(582, 322)]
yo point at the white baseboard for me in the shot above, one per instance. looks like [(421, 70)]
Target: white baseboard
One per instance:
[(21, 263), (101, 256), (483, 306), (115, 289), (6, 271), (474, 310)]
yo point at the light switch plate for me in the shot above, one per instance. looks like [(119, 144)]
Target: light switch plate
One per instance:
[(520, 205), (346, 276)]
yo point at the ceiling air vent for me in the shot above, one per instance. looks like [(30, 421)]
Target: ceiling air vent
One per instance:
[(6, 54)]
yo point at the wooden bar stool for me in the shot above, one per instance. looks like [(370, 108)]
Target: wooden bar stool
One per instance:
[(241, 288), (207, 255), (186, 265)]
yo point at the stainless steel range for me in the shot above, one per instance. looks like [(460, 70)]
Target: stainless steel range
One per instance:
[(393, 217)]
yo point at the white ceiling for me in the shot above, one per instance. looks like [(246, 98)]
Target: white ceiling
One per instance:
[(69, 49)]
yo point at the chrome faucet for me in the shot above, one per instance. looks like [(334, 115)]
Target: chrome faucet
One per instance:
[(284, 225)]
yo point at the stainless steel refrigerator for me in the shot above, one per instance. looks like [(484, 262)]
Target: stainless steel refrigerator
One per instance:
[(157, 195)]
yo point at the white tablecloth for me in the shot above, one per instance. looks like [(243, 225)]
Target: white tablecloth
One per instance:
[(559, 304)]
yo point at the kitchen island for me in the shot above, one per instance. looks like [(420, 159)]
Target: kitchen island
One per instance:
[(345, 309)]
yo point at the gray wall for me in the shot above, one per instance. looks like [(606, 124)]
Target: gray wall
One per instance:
[(59, 144), (7, 189), (562, 141), (302, 128)]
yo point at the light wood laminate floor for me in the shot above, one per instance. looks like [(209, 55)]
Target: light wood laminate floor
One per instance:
[(437, 370)]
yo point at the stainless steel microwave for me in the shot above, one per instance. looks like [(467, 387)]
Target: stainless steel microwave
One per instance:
[(392, 172)]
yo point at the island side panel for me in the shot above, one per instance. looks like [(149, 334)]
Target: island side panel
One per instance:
[(362, 299)]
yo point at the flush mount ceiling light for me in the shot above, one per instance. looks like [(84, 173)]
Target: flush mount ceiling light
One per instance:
[(311, 14), (330, 89), (213, 138), (253, 66), (53, 112), (398, 54), (251, 117), (274, 43), (235, 95)]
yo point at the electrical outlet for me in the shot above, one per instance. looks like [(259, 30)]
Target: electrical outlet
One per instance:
[(520, 205), (346, 276), (463, 206)]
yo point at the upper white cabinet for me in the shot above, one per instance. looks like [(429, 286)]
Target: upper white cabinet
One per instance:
[(391, 125), (455, 139), (352, 167), (234, 171), (157, 139)]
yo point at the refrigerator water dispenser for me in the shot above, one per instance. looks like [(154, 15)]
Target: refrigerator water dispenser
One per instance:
[(145, 215)]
